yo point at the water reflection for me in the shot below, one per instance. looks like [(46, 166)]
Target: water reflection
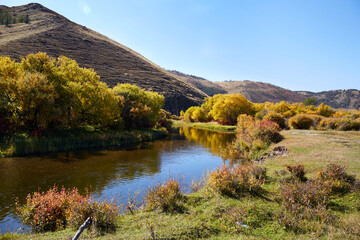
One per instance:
[(109, 172), (214, 141)]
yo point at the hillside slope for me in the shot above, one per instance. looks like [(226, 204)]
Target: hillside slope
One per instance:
[(208, 87), (115, 63), (337, 98), (261, 92)]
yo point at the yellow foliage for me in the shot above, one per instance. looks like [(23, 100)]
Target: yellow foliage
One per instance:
[(228, 107)]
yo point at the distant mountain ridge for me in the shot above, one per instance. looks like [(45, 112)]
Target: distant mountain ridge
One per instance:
[(349, 98), (260, 92), (54, 34)]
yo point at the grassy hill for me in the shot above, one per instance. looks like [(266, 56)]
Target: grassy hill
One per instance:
[(52, 33)]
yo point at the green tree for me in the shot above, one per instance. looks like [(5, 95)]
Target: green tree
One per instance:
[(310, 101)]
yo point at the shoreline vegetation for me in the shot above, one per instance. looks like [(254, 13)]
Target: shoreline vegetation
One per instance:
[(22, 144)]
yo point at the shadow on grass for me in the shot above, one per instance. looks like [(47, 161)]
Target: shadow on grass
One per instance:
[(338, 207)]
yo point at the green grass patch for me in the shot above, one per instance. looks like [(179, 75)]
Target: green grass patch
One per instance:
[(214, 126)]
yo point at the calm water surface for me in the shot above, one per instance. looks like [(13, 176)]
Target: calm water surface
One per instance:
[(113, 172)]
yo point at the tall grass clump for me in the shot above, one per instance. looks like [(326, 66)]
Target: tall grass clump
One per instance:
[(236, 181), (166, 197), (57, 209)]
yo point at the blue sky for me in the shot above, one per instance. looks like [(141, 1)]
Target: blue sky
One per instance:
[(309, 45)]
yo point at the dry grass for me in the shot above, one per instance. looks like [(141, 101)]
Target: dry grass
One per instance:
[(316, 149)]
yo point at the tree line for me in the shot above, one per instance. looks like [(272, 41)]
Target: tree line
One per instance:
[(6, 18), (42, 93)]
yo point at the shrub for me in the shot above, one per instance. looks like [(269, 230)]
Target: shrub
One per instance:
[(347, 124), (301, 121), (260, 115), (165, 197), (252, 138), (49, 211), (317, 119), (259, 172), (325, 110), (103, 215), (277, 118), (188, 114), (233, 182), (56, 209), (336, 178), (243, 122), (296, 194), (328, 123), (297, 171), (301, 203), (164, 120)]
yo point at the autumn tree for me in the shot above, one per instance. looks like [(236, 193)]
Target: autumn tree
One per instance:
[(140, 108), (227, 108)]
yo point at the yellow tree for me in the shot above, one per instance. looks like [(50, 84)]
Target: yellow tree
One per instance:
[(227, 108)]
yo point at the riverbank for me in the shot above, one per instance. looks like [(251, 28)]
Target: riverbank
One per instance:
[(62, 141), (214, 126), (253, 216)]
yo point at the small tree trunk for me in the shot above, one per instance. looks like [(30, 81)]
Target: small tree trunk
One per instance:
[(86, 224)]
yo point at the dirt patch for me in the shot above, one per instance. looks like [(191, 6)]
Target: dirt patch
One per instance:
[(277, 151)]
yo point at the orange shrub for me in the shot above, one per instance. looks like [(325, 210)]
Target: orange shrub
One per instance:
[(49, 211), (56, 209)]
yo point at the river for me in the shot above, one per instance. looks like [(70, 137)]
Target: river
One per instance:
[(109, 173)]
